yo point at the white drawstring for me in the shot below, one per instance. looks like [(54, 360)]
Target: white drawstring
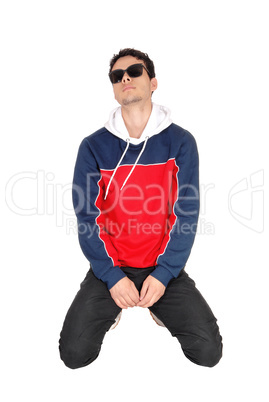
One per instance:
[(122, 156), (136, 162)]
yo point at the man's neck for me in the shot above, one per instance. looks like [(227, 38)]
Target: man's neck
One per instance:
[(136, 118)]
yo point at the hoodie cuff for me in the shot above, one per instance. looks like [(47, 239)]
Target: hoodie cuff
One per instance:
[(112, 276), (163, 275)]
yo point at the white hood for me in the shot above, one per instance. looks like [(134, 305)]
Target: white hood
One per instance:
[(159, 120)]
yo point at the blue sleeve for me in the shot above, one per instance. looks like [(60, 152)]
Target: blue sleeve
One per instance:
[(186, 209), (85, 192)]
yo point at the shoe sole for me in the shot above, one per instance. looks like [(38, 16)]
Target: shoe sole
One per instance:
[(117, 320), (158, 322)]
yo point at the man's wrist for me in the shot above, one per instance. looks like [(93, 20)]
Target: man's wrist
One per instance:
[(112, 276), (162, 274)]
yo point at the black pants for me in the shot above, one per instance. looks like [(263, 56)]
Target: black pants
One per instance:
[(182, 309)]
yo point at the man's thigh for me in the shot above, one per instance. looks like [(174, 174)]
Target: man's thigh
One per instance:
[(89, 317), (188, 317)]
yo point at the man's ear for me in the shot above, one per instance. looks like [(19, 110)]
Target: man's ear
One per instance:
[(154, 84)]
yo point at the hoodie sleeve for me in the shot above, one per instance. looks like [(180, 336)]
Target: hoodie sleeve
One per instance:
[(186, 209), (85, 192)]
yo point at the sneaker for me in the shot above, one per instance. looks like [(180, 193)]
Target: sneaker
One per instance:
[(117, 320), (159, 322)]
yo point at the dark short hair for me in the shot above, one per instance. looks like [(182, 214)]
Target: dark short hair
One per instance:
[(138, 55)]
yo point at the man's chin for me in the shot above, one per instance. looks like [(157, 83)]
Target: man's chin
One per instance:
[(131, 100)]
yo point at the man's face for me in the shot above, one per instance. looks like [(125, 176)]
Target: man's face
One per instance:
[(133, 90)]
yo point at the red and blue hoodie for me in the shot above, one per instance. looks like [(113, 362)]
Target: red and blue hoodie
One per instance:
[(137, 200)]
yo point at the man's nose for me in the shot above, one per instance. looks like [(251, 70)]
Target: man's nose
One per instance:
[(125, 78)]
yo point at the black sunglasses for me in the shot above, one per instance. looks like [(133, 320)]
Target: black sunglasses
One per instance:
[(134, 71)]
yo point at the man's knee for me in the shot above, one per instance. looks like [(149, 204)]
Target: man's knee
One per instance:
[(74, 359), (206, 354), (210, 355)]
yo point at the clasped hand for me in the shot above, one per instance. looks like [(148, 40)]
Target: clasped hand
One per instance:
[(125, 294)]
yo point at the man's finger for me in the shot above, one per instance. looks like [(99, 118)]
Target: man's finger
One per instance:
[(129, 301), (143, 291), (146, 299), (134, 295), (121, 305)]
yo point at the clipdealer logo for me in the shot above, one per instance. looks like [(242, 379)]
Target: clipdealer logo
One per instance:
[(246, 201), (31, 193), (36, 193)]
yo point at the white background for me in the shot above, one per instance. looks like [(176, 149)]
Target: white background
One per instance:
[(211, 61)]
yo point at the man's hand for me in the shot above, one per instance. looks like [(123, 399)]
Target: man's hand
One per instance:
[(152, 290), (124, 293)]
